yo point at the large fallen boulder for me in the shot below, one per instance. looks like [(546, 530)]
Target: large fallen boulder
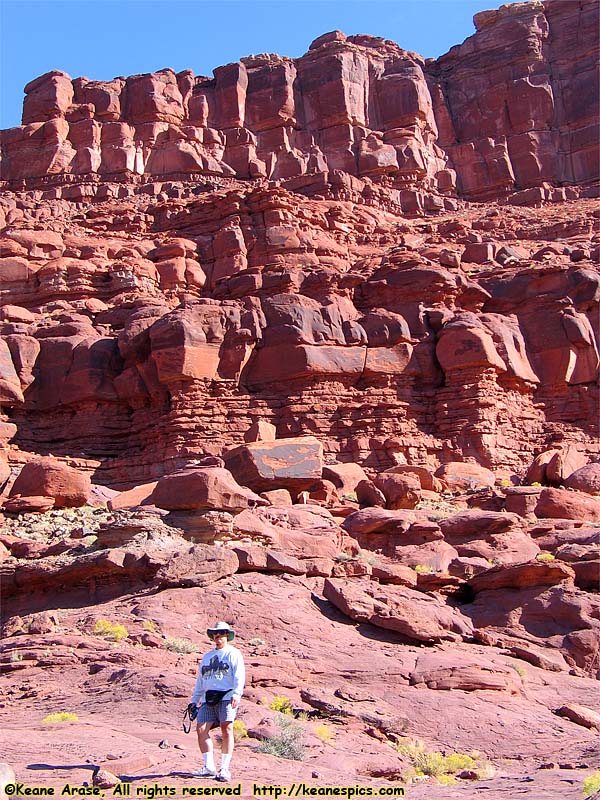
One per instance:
[(49, 477), (586, 479), (563, 463), (292, 464), (459, 476), (496, 536), (521, 576), (410, 613), (400, 491), (345, 477), (203, 487), (464, 671), (565, 504), (478, 523)]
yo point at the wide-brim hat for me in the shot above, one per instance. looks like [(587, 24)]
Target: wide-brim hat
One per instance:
[(221, 627)]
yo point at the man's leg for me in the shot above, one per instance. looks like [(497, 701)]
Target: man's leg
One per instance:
[(206, 745), (227, 742), (226, 749)]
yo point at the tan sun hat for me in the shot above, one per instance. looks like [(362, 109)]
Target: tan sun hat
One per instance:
[(221, 627)]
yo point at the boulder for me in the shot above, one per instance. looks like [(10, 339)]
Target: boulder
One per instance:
[(478, 523), (458, 476), (292, 464), (28, 505), (203, 487), (400, 491), (50, 477), (521, 576), (566, 504), (345, 477), (522, 500), (537, 470), (426, 478), (585, 479), (377, 520), (412, 614), (200, 565), (367, 494), (138, 496), (563, 463), (580, 715), (467, 672)]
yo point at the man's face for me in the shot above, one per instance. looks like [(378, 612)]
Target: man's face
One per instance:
[(220, 640)]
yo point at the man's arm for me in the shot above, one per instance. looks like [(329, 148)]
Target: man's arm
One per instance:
[(239, 678), (199, 687)]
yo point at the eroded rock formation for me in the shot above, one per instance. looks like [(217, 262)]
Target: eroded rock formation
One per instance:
[(183, 258)]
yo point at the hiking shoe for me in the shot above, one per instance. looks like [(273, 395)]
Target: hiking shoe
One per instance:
[(205, 772), (224, 775)]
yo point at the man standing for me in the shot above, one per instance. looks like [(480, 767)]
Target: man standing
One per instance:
[(219, 687)]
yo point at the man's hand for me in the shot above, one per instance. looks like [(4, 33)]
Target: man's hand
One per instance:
[(191, 708), (234, 702)]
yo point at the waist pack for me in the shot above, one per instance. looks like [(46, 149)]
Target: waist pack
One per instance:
[(214, 696)]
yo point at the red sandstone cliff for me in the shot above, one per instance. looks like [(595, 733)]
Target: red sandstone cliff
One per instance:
[(182, 256), (513, 107)]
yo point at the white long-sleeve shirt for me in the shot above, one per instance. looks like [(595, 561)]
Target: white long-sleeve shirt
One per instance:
[(222, 670)]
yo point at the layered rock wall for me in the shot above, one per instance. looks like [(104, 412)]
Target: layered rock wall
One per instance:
[(511, 108), (182, 257)]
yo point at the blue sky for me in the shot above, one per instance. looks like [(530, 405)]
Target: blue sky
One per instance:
[(101, 39)]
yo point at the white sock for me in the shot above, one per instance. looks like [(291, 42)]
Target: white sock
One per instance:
[(225, 760), (209, 761)]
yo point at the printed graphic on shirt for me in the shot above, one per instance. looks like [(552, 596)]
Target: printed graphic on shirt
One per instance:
[(215, 668)]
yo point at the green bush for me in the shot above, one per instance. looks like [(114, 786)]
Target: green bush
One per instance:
[(288, 743), (113, 631)]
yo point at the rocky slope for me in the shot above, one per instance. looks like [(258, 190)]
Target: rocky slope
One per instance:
[(311, 346)]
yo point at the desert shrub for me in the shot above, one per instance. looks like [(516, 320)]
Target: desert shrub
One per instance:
[(176, 645), (60, 716), (442, 767), (591, 784), (456, 762), (113, 631), (445, 779), (545, 557), (368, 557), (342, 558), (240, 731), (521, 671), (282, 704), (430, 763), (351, 496), (256, 642), (324, 733), (423, 569), (288, 743), (149, 625)]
